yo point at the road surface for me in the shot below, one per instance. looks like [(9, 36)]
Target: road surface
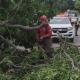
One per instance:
[(76, 41)]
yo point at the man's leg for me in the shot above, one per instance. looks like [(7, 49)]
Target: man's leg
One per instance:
[(48, 48), (76, 31)]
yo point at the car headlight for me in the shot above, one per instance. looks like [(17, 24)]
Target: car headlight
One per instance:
[(70, 28)]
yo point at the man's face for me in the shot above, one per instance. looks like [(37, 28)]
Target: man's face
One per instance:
[(44, 22)]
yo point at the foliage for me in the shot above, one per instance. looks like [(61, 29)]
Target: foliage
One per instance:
[(25, 12), (77, 5), (60, 67)]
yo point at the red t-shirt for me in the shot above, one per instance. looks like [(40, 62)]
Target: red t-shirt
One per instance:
[(44, 30)]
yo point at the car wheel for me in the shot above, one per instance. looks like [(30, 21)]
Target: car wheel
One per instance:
[(71, 39)]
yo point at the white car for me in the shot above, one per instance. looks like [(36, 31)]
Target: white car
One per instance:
[(63, 25)]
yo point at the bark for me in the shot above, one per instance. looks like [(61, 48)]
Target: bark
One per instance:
[(5, 24), (19, 48)]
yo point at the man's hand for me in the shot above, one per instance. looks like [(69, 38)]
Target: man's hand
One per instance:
[(45, 36), (41, 37)]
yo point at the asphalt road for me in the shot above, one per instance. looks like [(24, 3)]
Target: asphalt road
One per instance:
[(76, 41)]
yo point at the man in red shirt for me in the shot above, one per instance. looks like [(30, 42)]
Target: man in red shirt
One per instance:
[(44, 34)]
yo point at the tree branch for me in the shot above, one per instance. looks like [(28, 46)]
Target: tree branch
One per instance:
[(5, 23), (19, 48)]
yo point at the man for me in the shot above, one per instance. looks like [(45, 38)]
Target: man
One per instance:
[(44, 34), (76, 27)]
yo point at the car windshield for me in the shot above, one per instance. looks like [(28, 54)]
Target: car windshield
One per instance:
[(59, 21)]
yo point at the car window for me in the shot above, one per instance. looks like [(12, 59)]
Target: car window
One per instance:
[(60, 21)]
